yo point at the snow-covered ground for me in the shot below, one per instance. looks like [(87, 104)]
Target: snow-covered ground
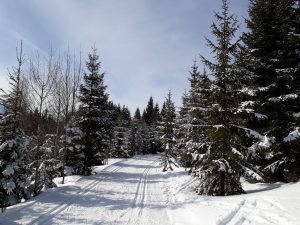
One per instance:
[(135, 191)]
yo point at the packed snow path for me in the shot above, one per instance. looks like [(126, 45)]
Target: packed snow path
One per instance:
[(126, 192), (136, 192)]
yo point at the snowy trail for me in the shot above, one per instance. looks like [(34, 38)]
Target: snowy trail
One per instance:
[(136, 192), (126, 192)]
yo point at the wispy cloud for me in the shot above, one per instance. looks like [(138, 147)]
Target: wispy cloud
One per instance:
[(146, 47)]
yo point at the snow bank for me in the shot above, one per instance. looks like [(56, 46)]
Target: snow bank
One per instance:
[(265, 204), (71, 180)]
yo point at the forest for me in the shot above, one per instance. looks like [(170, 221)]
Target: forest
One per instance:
[(239, 117)]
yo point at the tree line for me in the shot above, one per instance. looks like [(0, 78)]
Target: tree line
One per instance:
[(58, 120), (240, 116)]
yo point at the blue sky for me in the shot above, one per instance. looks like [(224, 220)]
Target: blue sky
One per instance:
[(146, 46)]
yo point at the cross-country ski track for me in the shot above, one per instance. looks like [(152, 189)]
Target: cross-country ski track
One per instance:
[(136, 192)]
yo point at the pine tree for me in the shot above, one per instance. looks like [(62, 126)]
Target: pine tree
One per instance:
[(137, 114), (136, 142), (121, 134), (156, 113), (49, 167), (94, 113), (272, 60), (75, 147), (167, 130), (163, 110), (196, 104), (150, 132), (219, 169), (13, 148), (148, 114), (185, 159)]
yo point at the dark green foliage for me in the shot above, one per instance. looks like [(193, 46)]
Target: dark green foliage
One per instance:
[(148, 114), (194, 111), (94, 114), (218, 163), (120, 147), (272, 59)]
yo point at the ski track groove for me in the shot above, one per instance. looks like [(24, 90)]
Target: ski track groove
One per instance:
[(58, 209), (227, 219), (140, 196), (262, 212)]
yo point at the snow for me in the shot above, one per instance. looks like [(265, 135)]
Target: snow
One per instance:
[(294, 135), (260, 116), (296, 115), (136, 191), (265, 204), (264, 143), (248, 91), (283, 98), (9, 170)]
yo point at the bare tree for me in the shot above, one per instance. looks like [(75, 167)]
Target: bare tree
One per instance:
[(42, 77)]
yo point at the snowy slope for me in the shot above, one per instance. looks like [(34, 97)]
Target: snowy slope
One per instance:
[(135, 191), (264, 204)]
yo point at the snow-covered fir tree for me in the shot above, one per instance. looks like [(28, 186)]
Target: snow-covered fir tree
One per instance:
[(76, 158), (120, 147), (94, 113), (134, 142), (272, 61), (185, 159), (219, 168), (196, 106), (167, 130), (50, 165), (13, 142)]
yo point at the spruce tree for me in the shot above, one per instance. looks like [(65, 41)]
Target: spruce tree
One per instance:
[(137, 114), (156, 113), (148, 114), (49, 167), (13, 142), (121, 134), (272, 60), (75, 147), (219, 169), (167, 130), (150, 132), (196, 106), (136, 138), (94, 113), (185, 158)]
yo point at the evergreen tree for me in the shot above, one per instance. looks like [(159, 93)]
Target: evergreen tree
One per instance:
[(272, 60), (219, 167), (163, 110), (156, 113), (137, 114), (181, 134), (94, 113), (148, 114), (75, 147), (196, 106), (136, 142), (49, 167), (167, 129), (13, 142), (121, 134)]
